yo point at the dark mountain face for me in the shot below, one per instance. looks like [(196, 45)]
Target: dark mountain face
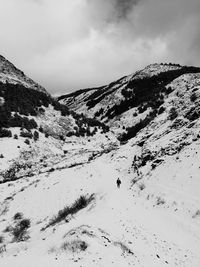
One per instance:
[(25, 104)]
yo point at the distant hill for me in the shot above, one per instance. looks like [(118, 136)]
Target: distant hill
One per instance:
[(131, 101)]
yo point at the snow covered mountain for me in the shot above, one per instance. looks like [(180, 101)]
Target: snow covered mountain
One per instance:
[(30, 117), (60, 204), (123, 103), (10, 74)]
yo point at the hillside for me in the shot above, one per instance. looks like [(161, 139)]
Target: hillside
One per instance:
[(125, 102), (59, 201), (12, 75), (33, 123)]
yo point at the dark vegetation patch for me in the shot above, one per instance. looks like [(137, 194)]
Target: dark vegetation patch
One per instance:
[(20, 230), (132, 131), (12, 173), (161, 110), (24, 101), (1, 239), (18, 216), (193, 113), (81, 203), (101, 93), (193, 97), (148, 91), (84, 125), (99, 112), (173, 114), (74, 246), (20, 102), (93, 102), (5, 133)]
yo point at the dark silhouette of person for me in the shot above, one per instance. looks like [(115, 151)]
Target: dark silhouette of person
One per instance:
[(118, 182)]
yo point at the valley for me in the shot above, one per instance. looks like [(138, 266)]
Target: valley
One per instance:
[(59, 200)]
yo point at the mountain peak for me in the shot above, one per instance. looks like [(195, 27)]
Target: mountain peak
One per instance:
[(10, 74), (155, 69)]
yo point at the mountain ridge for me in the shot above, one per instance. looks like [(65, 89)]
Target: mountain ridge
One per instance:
[(11, 74), (138, 92)]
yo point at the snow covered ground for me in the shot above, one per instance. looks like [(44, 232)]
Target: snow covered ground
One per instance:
[(151, 222)]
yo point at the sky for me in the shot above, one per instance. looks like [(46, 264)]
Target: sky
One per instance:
[(66, 45)]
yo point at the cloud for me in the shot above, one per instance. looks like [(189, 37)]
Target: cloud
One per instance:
[(113, 11), (72, 44)]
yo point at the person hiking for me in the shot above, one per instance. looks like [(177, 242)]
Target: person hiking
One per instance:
[(118, 182)]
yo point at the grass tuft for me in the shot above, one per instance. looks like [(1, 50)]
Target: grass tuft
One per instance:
[(74, 246)]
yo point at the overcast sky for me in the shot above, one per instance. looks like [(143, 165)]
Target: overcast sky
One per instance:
[(70, 44)]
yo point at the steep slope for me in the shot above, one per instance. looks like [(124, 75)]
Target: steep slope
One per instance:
[(86, 100), (10, 74), (129, 99), (31, 120)]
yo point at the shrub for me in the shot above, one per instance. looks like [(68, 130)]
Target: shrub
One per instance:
[(141, 108), (161, 110), (62, 138), (74, 246), (141, 186), (173, 113), (193, 97), (11, 173), (160, 201), (123, 247), (5, 133), (15, 136), (20, 230), (1, 239), (18, 216), (27, 142), (26, 134), (35, 136), (1, 156), (41, 129), (168, 90), (98, 113), (79, 204), (41, 110), (7, 229), (197, 214), (193, 113)]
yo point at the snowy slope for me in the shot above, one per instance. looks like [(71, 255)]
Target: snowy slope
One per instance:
[(10, 74), (123, 102), (110, 94), (33, 123), (129, 226), (153, 219)]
